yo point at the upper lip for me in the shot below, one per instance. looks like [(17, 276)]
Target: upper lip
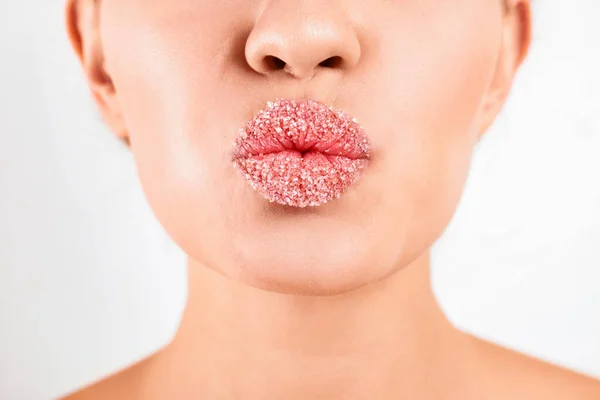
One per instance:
[(328, 131)]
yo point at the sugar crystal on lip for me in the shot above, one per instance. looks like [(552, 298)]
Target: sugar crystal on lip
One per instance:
[(291, 177)]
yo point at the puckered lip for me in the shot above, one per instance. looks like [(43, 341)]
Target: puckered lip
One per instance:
[(302, 127)]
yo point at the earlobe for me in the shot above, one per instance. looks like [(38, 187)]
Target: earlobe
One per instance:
[(516, 39), (82, 22)]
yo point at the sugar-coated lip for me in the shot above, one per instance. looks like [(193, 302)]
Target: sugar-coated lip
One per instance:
[(301, 153)]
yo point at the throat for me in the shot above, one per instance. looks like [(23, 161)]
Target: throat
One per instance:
[(388, 340)]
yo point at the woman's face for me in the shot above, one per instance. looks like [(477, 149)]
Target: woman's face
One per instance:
[(417, 74)]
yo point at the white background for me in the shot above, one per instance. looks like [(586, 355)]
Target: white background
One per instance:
[(89, 283)]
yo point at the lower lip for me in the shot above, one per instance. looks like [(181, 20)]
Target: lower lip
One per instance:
[(305, 167), (300, 180)]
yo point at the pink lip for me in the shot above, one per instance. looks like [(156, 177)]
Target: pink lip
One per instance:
[(301, 153)]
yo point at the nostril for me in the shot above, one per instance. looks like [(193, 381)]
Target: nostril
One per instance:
[(274, 63), (331, 62)]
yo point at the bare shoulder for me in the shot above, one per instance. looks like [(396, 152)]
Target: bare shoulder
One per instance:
[(517, 376), (121, 385)]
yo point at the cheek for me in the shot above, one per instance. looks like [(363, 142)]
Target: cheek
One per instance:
[(167, 81), (436, 78)]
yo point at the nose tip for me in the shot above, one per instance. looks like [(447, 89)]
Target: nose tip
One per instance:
[(301, 43)]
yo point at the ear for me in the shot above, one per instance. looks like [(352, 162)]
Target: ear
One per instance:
[(83, 27), (516, 39)]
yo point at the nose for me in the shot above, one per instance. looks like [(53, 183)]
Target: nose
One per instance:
[(301, 38)]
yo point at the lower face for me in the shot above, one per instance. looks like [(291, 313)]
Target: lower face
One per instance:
[(183, 78)]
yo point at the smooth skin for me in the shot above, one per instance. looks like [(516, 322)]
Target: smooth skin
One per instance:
[(333, 302)]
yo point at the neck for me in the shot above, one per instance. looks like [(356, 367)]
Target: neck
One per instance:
[(387, 340)]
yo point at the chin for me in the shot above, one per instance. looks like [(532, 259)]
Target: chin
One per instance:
[(307, 255), (303, 273)]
